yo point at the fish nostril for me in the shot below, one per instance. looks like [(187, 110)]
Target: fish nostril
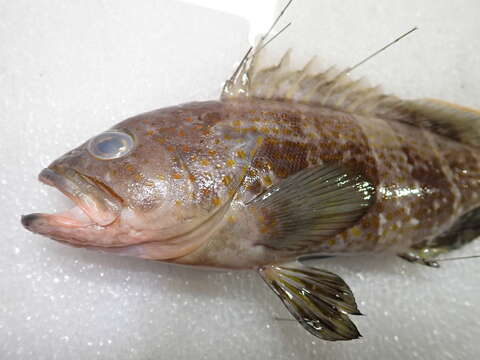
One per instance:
[(28, 220)]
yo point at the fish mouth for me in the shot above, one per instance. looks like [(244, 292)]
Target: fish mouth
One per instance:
[(100, 221), (96, 203)]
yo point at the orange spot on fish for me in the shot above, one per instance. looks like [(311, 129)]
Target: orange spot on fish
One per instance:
[(181, 133), (204, 162), (241, 154), (177, 176), (170, 148), (282, 173), (267, 180), (185, 148), (212, 152), (264, 229), (227, 180), (230, 163), (150, 132), (189, 119), (355, 231), (216, 201), (191, 177)]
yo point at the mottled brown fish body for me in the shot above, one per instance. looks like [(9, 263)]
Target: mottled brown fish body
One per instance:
[(288, 163), (423, 181)]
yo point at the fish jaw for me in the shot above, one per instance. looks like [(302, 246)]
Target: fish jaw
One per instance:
[(74, 228), (96, 208), (71, 226), (98, 221), (100, 204)]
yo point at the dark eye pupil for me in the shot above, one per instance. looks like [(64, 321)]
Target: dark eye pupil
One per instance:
[(110, 146)]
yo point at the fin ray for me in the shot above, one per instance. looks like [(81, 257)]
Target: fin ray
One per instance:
[(332, 293)]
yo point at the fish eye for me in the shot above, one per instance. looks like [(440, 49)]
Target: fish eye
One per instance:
[(110, 145)]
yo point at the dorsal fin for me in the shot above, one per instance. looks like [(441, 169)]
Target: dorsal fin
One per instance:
[(333, 88), (453, 121)]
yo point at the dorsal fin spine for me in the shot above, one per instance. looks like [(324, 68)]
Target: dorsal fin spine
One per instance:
[(323, 78), (344, 95), (303, 73), (333, 89)]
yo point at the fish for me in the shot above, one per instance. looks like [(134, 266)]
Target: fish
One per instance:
[(287, 165)]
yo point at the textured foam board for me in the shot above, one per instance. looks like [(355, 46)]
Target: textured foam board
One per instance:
[(70, 69)]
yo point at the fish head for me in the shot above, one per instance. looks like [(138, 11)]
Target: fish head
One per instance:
[(153, 186)]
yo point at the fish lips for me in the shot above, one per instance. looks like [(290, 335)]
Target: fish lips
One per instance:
[(95, 199)]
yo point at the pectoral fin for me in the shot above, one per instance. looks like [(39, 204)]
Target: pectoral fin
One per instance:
[(314, 204), (319, 300)]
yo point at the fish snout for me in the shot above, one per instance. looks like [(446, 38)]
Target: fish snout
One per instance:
[(98, 201)]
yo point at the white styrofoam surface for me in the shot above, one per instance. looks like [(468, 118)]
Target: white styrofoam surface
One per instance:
[(70, 69)]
